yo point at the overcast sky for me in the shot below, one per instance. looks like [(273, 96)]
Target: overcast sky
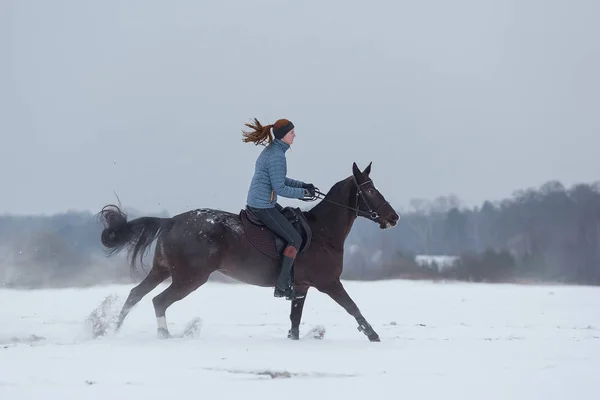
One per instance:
[(148, 98)]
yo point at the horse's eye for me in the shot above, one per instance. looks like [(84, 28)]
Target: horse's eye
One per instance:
[(370, 191)]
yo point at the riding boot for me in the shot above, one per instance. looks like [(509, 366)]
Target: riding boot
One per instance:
[(284, 285)]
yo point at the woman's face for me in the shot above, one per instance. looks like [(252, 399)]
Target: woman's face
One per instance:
[(289, 137)]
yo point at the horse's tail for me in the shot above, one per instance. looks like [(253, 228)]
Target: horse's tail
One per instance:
[(137, 235)]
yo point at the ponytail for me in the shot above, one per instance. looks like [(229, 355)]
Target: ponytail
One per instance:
[(259, 133)]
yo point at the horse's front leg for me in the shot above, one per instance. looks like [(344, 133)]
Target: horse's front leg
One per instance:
[(296, 312), (337, 292)]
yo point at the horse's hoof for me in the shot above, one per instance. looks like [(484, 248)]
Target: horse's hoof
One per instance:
[(374, 338), (163, 333), (367, 329), (294, 334)]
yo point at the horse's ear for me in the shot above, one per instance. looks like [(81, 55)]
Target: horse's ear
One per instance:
[(367, 170), (355, 171)]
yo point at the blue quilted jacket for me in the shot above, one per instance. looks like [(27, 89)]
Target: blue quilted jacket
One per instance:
[(270, 180)]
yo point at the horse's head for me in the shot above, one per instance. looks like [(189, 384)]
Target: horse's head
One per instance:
[(369, 201)]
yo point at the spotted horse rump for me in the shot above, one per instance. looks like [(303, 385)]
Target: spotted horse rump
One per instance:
[(268, 242)]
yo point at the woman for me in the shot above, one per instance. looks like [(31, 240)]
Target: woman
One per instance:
[(269, 182)]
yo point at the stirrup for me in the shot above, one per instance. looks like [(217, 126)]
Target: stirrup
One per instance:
[(289, 293)]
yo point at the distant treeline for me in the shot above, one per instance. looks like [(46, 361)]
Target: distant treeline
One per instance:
[(548, 234)]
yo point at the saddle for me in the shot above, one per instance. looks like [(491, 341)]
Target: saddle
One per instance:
[(268, 242)]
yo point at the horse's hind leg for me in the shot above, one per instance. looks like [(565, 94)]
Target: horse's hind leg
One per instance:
[(175, 292), (337, 292), (157, 274)]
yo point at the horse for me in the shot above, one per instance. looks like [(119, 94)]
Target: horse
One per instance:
[(192, 245)]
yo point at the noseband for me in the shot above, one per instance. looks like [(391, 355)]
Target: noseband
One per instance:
[(372, 214)]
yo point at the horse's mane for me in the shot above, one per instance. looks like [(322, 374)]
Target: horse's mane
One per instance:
[(339, 188)]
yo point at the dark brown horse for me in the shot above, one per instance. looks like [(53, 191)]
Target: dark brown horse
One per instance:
[(192, 245)]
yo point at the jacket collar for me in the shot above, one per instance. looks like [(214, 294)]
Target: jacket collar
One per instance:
[(281, 144)]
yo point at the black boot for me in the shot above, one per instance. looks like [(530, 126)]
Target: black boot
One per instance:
[(284, 286)]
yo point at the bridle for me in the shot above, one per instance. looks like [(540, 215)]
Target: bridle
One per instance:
[(372, 214)]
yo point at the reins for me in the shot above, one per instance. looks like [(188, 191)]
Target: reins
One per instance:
[(359, 194)]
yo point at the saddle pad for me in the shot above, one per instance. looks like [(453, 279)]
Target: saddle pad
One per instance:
[(261, 237)]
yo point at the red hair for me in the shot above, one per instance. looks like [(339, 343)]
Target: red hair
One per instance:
[(260, 134)]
